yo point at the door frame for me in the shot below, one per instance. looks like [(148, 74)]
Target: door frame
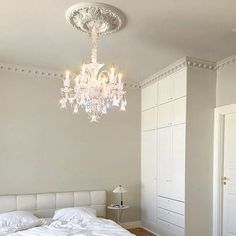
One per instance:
[(218, 168)]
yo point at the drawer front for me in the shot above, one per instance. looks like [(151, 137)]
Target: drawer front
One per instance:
[(169, 229), (171, 205), (170, 217)]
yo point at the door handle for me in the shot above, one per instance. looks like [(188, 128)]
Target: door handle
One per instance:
[(225, 179)]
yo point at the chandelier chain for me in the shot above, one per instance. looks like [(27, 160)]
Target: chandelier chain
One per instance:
[(94, 35)]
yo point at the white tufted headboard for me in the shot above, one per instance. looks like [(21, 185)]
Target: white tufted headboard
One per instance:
[(45, 204)]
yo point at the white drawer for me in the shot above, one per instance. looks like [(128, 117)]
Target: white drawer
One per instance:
[(170, 217), (171, 205), (169, 229)]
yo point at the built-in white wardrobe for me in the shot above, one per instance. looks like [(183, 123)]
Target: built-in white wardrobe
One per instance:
[(167, 104)]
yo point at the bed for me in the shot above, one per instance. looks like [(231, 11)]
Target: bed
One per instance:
[(45, 206)]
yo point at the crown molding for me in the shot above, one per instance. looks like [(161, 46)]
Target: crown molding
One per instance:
[(30, 71), (199, 63), (178, 65), (46, 73), (226, 62)]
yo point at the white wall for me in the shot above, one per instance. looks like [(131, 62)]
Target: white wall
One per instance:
[(226, 85), (201, 92), (43, 148)]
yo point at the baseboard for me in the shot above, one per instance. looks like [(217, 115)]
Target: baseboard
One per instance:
[(150, 231), (131, 225), (136, 224)]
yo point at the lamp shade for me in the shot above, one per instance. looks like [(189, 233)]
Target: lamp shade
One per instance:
[(120, 189)]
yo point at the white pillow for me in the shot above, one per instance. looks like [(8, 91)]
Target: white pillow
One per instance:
[(17, 220), (75, 213)]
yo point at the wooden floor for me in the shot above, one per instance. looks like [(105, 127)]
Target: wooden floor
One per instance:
[(140, 232)]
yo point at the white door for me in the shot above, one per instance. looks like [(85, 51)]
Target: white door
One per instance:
[(148, 175), (229, 193), (165, 90), (149, 119), (164, 162), (149, 96), (164, 115), (179, 84), (178, 162), (179, 111)]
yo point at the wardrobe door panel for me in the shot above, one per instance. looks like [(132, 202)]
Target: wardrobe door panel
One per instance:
[(149, 96), (165, 90), (148, 175), (149, 119), (148, 190), (164, 162), (164, 115), (178, 162), (149, 154), (179, 111), (179, 84)]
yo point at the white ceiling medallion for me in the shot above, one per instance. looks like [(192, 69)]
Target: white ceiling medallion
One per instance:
[(109, 18), (95, 89)]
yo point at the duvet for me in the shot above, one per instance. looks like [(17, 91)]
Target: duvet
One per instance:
[(91, 227)]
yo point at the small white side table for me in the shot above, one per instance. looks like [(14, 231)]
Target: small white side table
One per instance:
[(119, 210)]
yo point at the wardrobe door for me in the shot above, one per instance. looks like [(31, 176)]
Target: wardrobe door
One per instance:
[(164, 162), (165, 90), (149, 154), (149, 96), (148, 188), (179, 111), (179, 84), (178, 162), (148, 175), (164, 115), (149, 119)]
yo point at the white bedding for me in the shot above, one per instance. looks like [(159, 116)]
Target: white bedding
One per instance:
[(91, 227)]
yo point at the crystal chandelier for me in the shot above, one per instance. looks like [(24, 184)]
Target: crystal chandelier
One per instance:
[(95, 88)]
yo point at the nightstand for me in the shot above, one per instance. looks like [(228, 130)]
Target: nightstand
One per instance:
[(119, 210)]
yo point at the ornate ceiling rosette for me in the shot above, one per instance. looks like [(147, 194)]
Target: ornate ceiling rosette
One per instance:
[(110, 19)]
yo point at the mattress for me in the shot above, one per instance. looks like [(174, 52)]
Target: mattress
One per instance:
[(91, 227)]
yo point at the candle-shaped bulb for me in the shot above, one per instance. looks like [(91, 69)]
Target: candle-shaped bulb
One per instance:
[(112, 70), (77, 80), (119, 78), (83, 68), (67, 74), (67, 79)]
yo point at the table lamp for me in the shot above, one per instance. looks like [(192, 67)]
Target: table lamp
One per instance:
[(121, 190)]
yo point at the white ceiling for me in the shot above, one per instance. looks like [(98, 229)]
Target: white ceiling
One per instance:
[(158, 32)]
